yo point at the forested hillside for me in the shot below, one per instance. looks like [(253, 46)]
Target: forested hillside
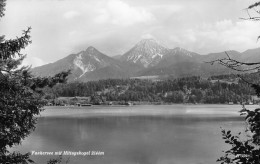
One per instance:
[(216, 89)]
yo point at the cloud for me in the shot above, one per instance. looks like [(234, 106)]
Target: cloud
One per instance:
[(219, 36), (62, 27), (120, 13), (71, 14), (240, 35)]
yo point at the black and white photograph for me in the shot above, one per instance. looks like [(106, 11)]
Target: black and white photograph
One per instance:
[(129, 82)]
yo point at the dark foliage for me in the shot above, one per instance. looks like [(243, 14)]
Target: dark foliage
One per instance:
[(20, 96), (245, 149), (2, 7), (222, 89)]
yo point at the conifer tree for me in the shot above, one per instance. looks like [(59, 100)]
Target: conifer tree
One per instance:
[(20, 96)]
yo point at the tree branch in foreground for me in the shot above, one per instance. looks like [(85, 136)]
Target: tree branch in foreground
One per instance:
[(235, 64)]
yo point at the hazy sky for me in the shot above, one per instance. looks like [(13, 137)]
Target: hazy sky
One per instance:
[(62, 27)]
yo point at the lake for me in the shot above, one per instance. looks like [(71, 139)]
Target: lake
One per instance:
[(148, 134)]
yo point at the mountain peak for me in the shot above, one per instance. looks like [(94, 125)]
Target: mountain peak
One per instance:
[(147, 52), (91, 49), (150, 40), (148, 43), (178, 48), (146, 58)]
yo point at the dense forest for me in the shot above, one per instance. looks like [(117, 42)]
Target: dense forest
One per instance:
[(213, 90)]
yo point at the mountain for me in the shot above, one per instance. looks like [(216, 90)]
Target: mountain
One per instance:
[(180, 63), (154, 59), (85, 66), (251, 55), (117, 57), (146, 53), (146, 59), (220, 55), (178, 55)]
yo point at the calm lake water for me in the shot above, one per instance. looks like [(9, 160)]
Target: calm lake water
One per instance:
[(165, 134)]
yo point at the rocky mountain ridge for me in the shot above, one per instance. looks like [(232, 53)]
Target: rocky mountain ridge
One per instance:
[(146, 58)]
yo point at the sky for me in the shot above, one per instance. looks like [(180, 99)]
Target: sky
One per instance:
[(63, 27)]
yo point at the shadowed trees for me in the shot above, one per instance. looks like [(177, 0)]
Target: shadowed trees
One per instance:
[(20, 96)]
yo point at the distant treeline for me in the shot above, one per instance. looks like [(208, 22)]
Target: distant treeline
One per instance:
[(216, 89)]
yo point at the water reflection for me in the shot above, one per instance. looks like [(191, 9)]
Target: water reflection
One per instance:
[(175, 139)]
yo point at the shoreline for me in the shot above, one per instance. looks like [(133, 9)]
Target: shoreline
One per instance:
[(145, 110), (133, 103)]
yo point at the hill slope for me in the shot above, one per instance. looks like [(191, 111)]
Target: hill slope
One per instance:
[(146, 58)]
